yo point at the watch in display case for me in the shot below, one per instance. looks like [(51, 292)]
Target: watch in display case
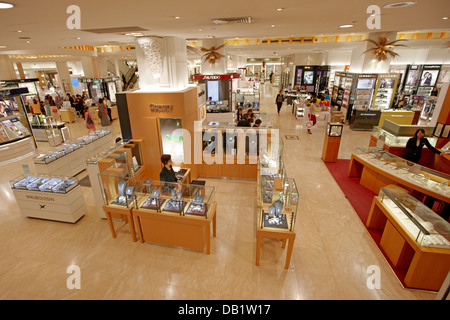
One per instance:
[(175, 198), (411, 172), (281, 214), (424, 225), (44, 183)]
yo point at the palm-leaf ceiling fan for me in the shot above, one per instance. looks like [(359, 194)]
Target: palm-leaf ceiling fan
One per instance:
[(212, 55), (384, 48)]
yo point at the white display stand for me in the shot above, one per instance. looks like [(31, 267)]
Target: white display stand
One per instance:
[(69, 165), (65, 207), (91, 149), (14, 151)]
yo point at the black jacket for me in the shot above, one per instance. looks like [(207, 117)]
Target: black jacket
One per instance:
[(413, 152), (167, 175)]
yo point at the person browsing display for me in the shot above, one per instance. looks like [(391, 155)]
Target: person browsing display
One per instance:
[(415, 144)]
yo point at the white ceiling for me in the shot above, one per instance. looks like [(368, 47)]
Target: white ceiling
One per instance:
[(44, 21)]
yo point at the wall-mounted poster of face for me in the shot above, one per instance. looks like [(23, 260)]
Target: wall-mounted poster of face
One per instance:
[(309, 76), (412, 77), (429, 78)]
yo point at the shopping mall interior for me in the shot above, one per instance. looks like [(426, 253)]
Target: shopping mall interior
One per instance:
[(320, 202)]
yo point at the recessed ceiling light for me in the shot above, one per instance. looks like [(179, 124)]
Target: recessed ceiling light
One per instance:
[(177, 17), (445, 18), (28, 41), (399, 4), (280, 9), (2, 47), (5, 5), (273, 26), (78, 38), (346, 26), (19, 31)]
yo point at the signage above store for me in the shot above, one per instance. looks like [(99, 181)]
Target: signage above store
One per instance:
[(10, 92), (216, 76), (161, 108)]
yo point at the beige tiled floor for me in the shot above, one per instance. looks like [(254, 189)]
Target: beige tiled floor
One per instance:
[(331, 254)]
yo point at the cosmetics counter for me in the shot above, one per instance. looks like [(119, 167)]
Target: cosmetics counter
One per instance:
[(414, 238), (57, 198), (277, 204)]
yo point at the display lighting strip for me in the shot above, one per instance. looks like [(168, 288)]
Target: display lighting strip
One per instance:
[(84, 48), (37, 56), (334, 38)]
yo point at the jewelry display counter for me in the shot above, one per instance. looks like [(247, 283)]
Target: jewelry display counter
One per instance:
[(175, 214), (393, 137), (377, 168), (277, 203), (47, 197), (118, 185), (414, 238)]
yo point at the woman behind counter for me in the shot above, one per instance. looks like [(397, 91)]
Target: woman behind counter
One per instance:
[(415, 144), (167, 174)]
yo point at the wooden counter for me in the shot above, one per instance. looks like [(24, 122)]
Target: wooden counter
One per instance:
[(172, 229), (425, 268), (374, 177)]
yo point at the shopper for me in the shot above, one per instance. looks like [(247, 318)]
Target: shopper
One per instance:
[(279, 101), (90, 124), (413, 151), (35, 107), (103, 113), (257, 123), (42, 107), (312, 112), (107, 103), (271, 76), (167, 174), (238, 115), (249, 116)]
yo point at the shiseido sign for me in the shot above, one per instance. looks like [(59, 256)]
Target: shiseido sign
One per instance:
[(216, 77), (161, 108)]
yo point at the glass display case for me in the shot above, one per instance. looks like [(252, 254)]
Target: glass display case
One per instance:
[(334, 129), (58, 152), (393, 140), (424, 177), (118, 186), (44, 183), (218, 137), (278, 210), (175, 198), (425, 226)]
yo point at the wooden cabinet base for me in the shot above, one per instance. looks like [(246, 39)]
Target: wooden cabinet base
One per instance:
[(180, 231), (283, 236), (124, 213), (424, 268)]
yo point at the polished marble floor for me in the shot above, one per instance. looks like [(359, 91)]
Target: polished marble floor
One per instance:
[(331, 255)]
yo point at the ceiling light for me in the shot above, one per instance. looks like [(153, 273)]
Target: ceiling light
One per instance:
[(346, 26), (399, 4), (4, 5), (273, 26), (19, 31), (445, 18), (2, 47), (28, 41), (280, 9), (177, 17)]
